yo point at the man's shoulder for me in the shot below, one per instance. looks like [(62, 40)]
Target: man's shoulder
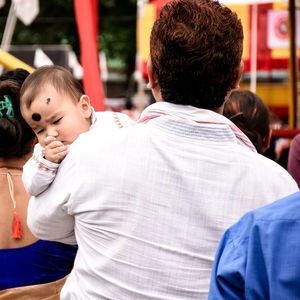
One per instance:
[(269, 163), (101, 137), (112, 119), (273, 170), (278, 213), (285, 209)]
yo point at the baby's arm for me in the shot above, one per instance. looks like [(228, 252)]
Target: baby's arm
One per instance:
[(38, 172)]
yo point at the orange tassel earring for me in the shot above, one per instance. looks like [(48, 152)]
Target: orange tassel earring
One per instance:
[(17, 230)]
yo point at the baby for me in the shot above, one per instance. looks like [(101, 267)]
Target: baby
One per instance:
[(54, 105)]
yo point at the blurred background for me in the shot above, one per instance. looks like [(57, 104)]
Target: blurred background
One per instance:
[(105, 44), (54, 33)]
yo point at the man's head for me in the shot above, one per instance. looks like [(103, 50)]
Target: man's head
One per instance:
[(195, 49), (53, 103)]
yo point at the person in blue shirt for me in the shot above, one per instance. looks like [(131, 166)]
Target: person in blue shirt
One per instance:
[(259, 257)]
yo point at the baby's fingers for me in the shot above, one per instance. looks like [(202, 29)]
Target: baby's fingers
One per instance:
[(62, 154), (56, 154), (49, 139), (55, 144)]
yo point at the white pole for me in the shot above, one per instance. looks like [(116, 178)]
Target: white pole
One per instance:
[(9, 30), (253, 54), (138, 73)]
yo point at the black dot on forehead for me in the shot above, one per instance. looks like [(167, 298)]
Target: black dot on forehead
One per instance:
[(36, 117), (48, 100)]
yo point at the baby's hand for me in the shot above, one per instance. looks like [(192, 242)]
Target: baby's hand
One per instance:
[(55, 151)]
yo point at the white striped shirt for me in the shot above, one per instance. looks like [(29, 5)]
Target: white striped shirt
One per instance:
[(149, 203)]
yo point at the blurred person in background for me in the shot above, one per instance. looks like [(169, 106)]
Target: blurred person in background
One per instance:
[(248, 112), (294, 159)]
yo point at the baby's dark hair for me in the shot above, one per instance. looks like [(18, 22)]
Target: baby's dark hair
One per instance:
[(18, 75), (60, 78), (16, 137), (246, 110)]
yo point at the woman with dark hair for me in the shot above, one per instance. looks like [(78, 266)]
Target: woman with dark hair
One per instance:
[(17, 137), (248, 112), (24, 260)]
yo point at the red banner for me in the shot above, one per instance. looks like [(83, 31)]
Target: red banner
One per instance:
[(86, 13)]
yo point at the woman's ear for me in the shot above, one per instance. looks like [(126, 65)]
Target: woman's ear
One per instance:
[(85, 105)]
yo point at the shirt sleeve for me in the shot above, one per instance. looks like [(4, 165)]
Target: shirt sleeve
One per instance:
[(227, 279), (38, 173), (246, 259), (49, 214)]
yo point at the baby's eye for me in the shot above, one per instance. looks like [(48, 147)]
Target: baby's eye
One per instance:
[(40, 131), (57, 121)]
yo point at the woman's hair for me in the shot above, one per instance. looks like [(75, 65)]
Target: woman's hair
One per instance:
[(196, 48), (16, 137), (60, 78), (246, 110)]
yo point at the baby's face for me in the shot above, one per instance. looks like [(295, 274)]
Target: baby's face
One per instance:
[(55, 114)]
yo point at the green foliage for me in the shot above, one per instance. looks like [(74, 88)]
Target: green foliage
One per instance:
[(56, 24), (118, 32)]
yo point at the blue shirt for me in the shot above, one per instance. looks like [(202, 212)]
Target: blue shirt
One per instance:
[(259, 257)]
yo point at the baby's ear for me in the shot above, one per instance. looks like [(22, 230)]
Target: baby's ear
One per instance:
[(85, 105)]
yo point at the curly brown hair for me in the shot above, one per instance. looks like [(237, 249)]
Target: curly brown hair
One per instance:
[(196, 48)]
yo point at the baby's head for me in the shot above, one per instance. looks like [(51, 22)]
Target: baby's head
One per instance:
[(53, 103), (251, 115)]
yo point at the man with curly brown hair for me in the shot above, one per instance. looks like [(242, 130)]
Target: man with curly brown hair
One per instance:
[(148, 203)]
